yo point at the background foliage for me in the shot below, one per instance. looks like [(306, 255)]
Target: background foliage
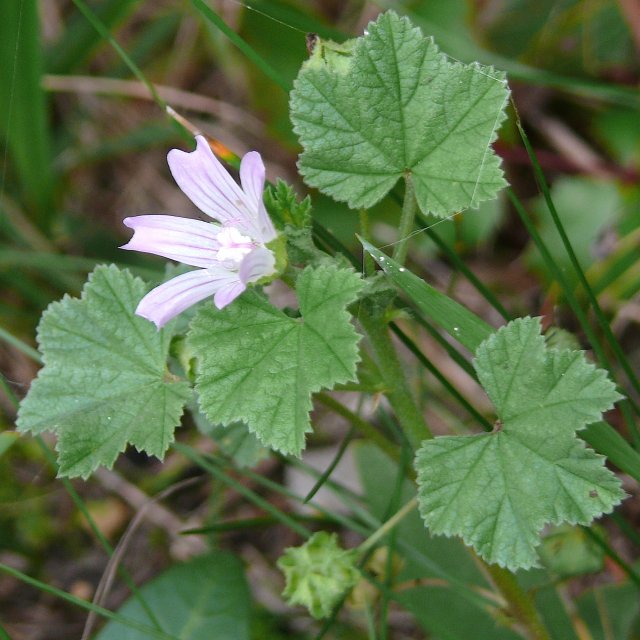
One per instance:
[(84, 144)]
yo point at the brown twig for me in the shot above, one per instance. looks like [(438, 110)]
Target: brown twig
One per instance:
[(134, 89), (570, 145)]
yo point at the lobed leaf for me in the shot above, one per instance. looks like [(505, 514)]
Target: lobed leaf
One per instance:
[(105, 382), (498, 490), (260, 366), (390, 104)]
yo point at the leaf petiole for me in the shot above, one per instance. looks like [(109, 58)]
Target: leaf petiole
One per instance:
[(406, 221)]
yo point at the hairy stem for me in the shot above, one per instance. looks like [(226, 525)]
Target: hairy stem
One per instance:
[(520, 604), (397, 389)]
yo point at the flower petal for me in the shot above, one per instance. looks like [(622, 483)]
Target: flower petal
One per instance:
[(252, 177), (171, 298), (252, 174), (228, 293), (210, 187), (192, 242), (267, 230), (257, 264)]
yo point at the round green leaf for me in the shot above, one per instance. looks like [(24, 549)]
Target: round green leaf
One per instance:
[(393, 104), (206, 598)]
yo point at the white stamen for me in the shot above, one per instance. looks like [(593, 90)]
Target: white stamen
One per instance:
[(233, 245)]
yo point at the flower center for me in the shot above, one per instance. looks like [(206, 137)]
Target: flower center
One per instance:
[(233, 246)]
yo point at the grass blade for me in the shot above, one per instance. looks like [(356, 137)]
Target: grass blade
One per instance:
[(212, 467), (455, 260), (603, 438), (23, 110), (209, 14), (436, 373), (462, 46), (463, 325), (83, 604), (103, 30), (80, 38), (625, 405), (602, 321), (23, 347)]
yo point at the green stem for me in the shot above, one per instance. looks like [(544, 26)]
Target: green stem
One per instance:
[(365, 231), (409, 207), (106, 34), (215, 468), (251, 54), (378, 534), (366, 428), (521, 605), (397, 391)]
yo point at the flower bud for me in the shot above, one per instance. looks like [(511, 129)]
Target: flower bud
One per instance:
[(318, 573)]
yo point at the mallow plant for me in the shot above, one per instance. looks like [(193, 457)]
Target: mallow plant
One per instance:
[(385, 117)]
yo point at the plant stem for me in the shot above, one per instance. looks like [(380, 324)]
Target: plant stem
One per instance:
[(368, 264), (362, 425), (397, 391), (521, 606), (406, 221), (372, 540)]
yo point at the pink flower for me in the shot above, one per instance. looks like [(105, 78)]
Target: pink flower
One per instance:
[(230, 254)]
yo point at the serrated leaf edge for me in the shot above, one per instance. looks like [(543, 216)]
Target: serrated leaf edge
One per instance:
[(487, 70), (307, 403)]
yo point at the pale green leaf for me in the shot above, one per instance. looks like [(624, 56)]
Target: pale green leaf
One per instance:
[(570, 551), (105, 382), (260, 366), (395, 104), (498, 490), (206, 598)]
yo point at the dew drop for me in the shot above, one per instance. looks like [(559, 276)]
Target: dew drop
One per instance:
[(456, 329), (401, 269)]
